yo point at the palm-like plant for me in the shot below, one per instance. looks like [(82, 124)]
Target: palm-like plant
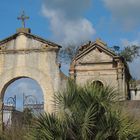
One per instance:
[(85, 113)]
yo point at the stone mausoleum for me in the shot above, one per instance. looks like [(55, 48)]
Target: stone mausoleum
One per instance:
[(26, 55), (97, 64)]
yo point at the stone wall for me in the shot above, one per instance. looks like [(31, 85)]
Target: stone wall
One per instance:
[(25, 56), (135, 90), (131, 108), (97, 63)]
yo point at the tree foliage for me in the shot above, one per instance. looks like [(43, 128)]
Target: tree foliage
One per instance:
[(130, 53), (27, 117), (85, 113), (68, 53)]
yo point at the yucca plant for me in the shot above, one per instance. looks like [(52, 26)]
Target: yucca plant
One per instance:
[(85, 113)]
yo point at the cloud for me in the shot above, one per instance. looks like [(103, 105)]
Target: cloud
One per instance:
[(126, 12), (134, 68), (29, 87), (67, 22), (126, 42)]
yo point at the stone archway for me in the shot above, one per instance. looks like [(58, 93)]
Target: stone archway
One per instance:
[(7, 78), (42, 79), (26, 55), (21, 95)]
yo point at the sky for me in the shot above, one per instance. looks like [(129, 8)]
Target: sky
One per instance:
[(76, 21), (23, 89), (66, 22)]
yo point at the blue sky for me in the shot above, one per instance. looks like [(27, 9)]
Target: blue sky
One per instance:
[(66, 22), (24, 87), (109, 20)]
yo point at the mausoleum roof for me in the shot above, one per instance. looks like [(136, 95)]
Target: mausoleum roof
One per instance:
[(84, 49), (29, 35)]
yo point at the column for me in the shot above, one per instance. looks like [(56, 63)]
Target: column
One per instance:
[(1, 115)]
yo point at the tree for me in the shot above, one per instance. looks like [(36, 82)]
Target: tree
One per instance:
[(68, 53), (27, 117), (129, 53), (85, 113)]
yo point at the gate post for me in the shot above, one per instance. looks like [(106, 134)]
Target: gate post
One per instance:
[(1, 115)]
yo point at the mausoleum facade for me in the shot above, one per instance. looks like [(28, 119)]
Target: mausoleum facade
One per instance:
[(96, 63)]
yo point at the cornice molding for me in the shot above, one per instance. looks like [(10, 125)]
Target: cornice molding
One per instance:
[(23, 51)]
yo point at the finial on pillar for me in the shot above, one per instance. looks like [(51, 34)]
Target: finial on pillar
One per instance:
[(23, 17)]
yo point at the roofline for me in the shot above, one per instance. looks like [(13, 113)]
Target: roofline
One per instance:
[(31, 36), (8, 38), (90, 47)]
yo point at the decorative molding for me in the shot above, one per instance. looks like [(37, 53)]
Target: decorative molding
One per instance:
[(92, 74), (23, 51), (100, 62), (94, 69)]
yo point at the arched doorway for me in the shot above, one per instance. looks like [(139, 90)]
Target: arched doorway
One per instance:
[(25, 54), (21, 95), (48, 85), (97, 83)]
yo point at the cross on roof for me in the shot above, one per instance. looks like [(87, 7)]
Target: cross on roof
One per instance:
[(23, 17)]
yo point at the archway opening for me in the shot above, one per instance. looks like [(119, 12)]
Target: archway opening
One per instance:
[(22, 98), (97, 83)]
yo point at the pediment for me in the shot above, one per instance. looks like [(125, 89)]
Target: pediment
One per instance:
[(24, 41), (94, 56)]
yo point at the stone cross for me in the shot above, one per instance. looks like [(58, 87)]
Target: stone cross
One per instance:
[(23, 18)]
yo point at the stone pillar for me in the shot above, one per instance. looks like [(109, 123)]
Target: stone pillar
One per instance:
[(1, 115), (125, 86), (120, 78)]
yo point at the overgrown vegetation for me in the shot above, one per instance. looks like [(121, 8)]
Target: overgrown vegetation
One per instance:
[(130, 53), (82, 113), (20, 127), (85, 113)]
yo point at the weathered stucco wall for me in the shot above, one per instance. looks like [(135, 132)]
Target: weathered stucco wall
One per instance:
[(96, 63), (135, 90), (24, 56)]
